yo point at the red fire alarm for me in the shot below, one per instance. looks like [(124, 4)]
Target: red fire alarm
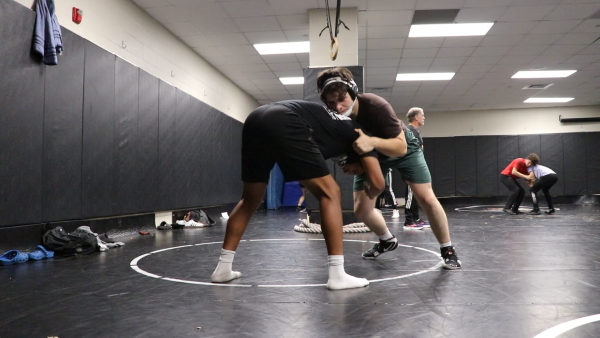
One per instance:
[(77, 14)]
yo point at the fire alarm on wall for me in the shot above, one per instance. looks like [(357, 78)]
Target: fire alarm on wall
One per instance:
[(77, 14)]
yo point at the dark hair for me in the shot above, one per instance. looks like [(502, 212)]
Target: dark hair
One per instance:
[(338, 87), (533, 158)]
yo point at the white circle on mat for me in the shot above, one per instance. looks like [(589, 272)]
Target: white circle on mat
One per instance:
[(570, 325), (135, 267)]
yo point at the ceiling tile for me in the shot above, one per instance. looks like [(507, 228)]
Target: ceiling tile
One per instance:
[(511, 28), (201, 11), (516, 59), (500, 40), (245, 60), (487, 3), (450, 61), (247, 8), (220, 26), (290, 66), (296, 35), (483, 60), (563, 49), (552, 27), (227, 39), (540, 39), (416, 62), (528, 50), (447, 52), (386, 32), (475, 15), (578, 39), (526, 13), (389, 18), (573, 11), (296, 21), (258, 24), (419, 52), (382, 63), (152, 3), (383, 54), (280, 58), (238, 50), (462, 41), (266, 37), (491, 51), (165, 15), (423, 42), (436, 4), (386, 5), (384, 43)]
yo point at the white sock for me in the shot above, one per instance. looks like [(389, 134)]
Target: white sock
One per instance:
[(223, 271), (443, 245), (338, 278), (386, 236)]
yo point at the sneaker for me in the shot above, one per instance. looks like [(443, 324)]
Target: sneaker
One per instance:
[(534, 212), (550, 212), (423, 223), (381, 247), (301, 209), (508, 211), (413, 226), (451, 261), (517, 212), (395, 214)]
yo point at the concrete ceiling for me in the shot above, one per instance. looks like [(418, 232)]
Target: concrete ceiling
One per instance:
[(527, 35)]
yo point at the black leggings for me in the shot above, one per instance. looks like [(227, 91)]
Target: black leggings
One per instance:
[(516, 192), (544, 184)]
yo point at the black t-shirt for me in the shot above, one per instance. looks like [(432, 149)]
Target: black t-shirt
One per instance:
[(333, 133), (417, 133)]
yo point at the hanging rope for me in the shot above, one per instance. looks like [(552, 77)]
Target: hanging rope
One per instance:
[(333, 33), (315, 228)]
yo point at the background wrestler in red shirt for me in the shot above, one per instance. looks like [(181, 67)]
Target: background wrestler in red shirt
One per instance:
[(515, 170)]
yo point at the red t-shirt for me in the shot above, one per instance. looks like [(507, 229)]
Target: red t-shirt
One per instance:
[(517, 163)]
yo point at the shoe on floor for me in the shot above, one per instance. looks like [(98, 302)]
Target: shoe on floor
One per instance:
[(413, 226), (422, 223), (13, 256), (508, 211), (534, 212), (550, 212), (396, 213), (381, 247), (40, 253), (451, 261)]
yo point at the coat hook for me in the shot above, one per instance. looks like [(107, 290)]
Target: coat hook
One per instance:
[(123, 44), (172, 74)]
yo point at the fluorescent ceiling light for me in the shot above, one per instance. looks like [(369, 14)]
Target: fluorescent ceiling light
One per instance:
[(283, 48), (548, 99), (424, 76), (449, 29), (537, 74), (291, 80)]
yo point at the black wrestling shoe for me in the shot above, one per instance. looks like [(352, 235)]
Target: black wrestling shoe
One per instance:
[(534, 212), (550, 212), (451, 261), (508, 211), (381, 247)]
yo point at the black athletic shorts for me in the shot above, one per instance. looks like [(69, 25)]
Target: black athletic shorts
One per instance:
[(275, 134)]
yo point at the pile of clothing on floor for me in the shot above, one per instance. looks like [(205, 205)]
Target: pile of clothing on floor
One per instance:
[(193, 219)]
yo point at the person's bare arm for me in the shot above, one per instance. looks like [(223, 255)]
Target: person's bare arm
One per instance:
[(393, 147), (372, 169), (517, 173)]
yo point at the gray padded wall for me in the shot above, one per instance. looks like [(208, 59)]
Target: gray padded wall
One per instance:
[(592, 141), (21, 118), (552, 157), (488, 173), (63, 128), (126, 181), (445, 174), (466, 165), (147, 166), (98, 117), (167, 140), (575, 164)]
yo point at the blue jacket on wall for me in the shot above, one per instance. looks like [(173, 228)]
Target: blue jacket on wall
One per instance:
[(47, 40)]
